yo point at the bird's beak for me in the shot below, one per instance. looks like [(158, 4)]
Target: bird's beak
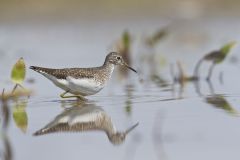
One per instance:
[(131, 128), (126, 65)]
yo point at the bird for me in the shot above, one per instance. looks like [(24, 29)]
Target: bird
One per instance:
[(81, 82)]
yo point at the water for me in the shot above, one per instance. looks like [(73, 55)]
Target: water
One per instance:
[(175, 122)]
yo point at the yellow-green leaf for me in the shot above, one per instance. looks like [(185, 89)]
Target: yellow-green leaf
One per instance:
[(218, 56), (224, 51), (227, 47), (20, 116), (18, 72)]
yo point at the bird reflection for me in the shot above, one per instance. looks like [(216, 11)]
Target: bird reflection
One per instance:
[(85, 117)]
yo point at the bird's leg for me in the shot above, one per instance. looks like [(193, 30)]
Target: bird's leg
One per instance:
[(72, 96), (210, 71), (63, 94)]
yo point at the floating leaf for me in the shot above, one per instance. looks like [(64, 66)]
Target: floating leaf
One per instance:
[(20, 116), (219, 101), (18, 72)]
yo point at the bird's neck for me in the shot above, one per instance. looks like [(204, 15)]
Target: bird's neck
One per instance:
[(109, 67), (106, 71), (106, 62)]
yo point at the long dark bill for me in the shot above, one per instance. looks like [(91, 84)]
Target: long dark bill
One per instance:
[(130, 68)]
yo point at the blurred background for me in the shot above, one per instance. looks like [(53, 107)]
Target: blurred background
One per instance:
[(162, 39), (71, 28), (33, 11)]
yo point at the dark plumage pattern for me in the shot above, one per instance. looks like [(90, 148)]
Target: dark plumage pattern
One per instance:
[(65, 127), (64, 73)]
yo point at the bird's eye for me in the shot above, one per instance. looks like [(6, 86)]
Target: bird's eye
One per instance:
[(118, 58)]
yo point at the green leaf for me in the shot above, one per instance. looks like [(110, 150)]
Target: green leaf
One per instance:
[(224, 51), (218, 56), (126, 39), (18, 72), (227, 47), (20, 116)]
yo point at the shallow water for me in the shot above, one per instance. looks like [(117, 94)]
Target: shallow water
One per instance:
[(193, 121)]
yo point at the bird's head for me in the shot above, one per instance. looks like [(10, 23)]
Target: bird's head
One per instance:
[(116, 59)]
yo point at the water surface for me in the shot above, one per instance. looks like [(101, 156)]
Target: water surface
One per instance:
[(193, 121)]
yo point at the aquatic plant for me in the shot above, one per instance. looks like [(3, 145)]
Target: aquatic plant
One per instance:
[(124, 48), (156, 37), (216, 57), (18, 73), (181, 77)]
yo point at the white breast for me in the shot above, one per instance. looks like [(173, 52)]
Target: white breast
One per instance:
[(83, 86)]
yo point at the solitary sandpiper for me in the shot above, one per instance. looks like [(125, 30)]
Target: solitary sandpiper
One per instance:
[(83, 81)]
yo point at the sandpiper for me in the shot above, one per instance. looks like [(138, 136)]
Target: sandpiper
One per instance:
[(83, 81)]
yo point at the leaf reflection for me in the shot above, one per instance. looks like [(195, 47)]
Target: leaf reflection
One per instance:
[(85, 117), (219, 101), (20, 115)]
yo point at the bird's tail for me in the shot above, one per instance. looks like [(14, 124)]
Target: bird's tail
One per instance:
[(35, 68), (39, 132), (41, 69)]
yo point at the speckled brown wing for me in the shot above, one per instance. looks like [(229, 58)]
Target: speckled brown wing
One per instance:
[(64, 73), (65, 127)]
